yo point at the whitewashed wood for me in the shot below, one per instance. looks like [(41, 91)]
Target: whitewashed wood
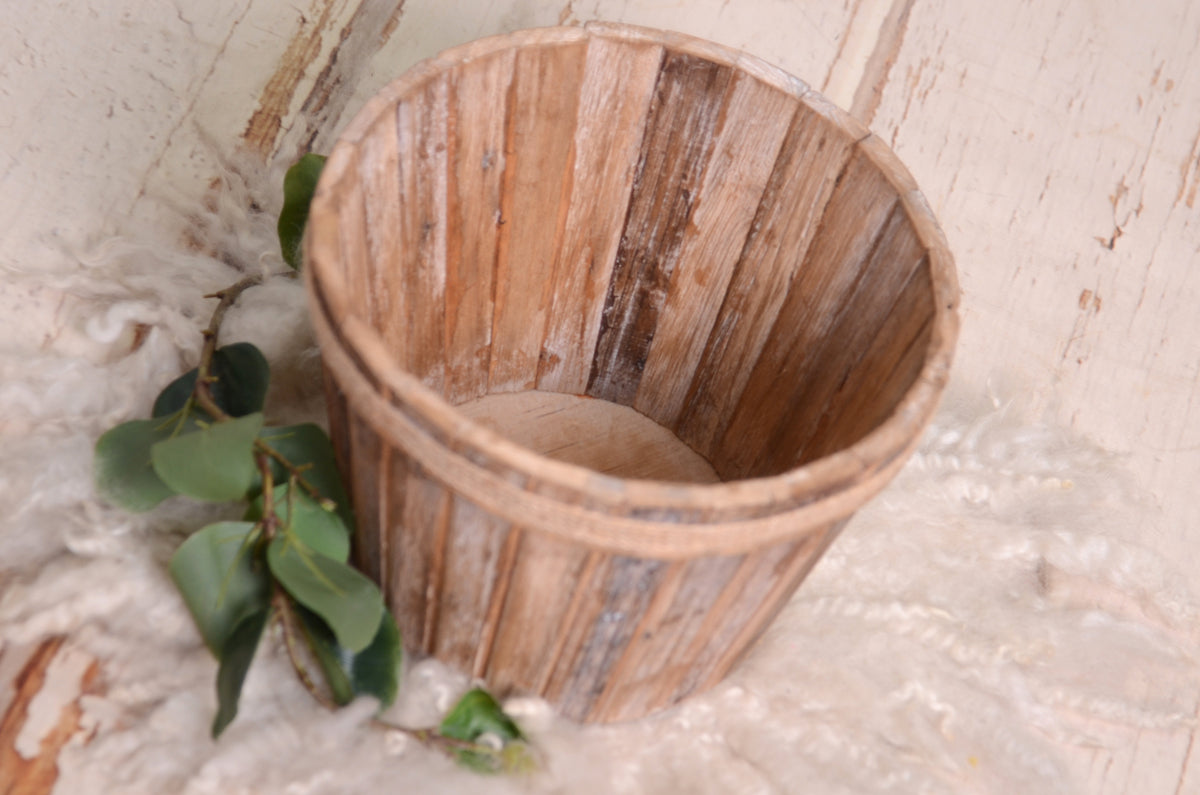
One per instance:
[(1058, 146)]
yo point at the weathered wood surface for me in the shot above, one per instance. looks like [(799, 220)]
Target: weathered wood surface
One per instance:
[(1056, 141), (40, 711), (648, 527)]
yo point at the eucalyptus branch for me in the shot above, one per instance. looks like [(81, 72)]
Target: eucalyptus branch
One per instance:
[(227, 454)]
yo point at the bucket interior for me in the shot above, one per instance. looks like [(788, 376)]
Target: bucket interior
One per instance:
[(616, 228)]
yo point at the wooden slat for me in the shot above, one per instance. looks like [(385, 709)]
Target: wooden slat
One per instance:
[(538, 171), (530, 627), (751, 131), (417, 567), (618, 84), (809, 163), (688, 103), (338, 413), (625, 592), (654, 676), (421, 130), (367, 498), (857, 211), (378, 174), (829, 363), (474, 565), (761, 608), (475, 137), (356, 262), (870, 392), (618, 680)]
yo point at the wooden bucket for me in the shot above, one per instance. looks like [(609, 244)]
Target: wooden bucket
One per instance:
[(619, 328)]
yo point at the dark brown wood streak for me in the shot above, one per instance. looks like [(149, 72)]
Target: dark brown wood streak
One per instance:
[(678, 140)]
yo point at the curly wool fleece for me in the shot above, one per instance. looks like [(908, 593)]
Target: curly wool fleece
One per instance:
[(981, 626)]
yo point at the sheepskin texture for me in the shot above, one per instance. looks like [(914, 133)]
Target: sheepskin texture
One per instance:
[(990, 614)]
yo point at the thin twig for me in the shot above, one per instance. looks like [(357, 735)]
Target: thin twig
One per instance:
[(295, 472), (203, 390), (287, 620)]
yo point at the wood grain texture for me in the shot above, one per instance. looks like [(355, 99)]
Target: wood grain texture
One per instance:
[(751, 129), (761, 247), (786, 221), (601, 436), (52, 671), (680, 126), (617, 88), (538, 175), (479, 107), (1098, 145), (369, 492), (421, 269), (853, 220)]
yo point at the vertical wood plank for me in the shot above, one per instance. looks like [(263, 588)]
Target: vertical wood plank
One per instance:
[(619, 80), (475, 134), (688, 102), (653, 677), (894, 359), (531, 627), (378, 175), (830, 359), (857, 211), (812, 157), (423, 510), (338, 413), (625, 592), (421, 130), (472, 565), (365, 447), (751, 130), (355, 253), (542, 104)]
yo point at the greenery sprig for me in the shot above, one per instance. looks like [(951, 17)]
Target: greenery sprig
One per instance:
[(286, 561)]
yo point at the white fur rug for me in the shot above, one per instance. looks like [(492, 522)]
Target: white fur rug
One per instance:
[(979, 626)]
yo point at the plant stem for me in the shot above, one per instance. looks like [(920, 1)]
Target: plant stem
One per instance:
[(294, 472), (227, 296), (287, 620)]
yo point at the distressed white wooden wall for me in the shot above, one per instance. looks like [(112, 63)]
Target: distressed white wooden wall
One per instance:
[(1059, 142)]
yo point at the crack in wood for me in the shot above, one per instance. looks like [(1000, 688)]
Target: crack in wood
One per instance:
[(265, 123), (879, 65)]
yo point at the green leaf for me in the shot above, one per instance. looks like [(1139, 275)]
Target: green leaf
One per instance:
[(321, 531), (299, 185), (374, 671), (220, 580), (236, 656), (215, 463), (122, 468), (242, 374), (475, 715), (306, 446), (347, 601)]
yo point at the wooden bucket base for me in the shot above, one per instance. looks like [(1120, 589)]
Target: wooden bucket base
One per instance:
[(602, 436)]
